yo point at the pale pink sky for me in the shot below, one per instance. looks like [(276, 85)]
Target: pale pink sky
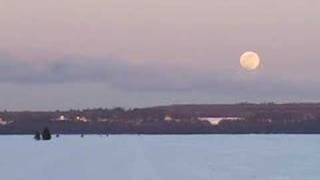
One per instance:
[(161, 46)]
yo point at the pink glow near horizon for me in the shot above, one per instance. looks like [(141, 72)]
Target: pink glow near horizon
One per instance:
[(159, 46)]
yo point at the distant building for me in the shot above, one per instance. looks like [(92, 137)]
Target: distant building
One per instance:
[(78, 118), (82, 119), (61, 118), (216, 120), (3, 122), (168, 118)]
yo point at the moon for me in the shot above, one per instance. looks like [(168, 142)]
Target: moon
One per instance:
[(250, 61)]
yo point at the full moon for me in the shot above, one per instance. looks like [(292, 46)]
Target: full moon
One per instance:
[(250, 61)]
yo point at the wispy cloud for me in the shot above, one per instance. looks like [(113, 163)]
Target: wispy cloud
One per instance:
[(154, 76)]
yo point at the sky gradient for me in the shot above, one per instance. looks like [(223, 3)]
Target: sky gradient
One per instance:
[(107, 53)]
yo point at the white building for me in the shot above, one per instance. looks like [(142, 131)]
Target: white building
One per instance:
[(61, 118), (168, 118), (216, 120), (82, 119), (3, 122)]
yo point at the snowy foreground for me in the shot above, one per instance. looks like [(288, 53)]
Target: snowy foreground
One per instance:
[(184, 157)]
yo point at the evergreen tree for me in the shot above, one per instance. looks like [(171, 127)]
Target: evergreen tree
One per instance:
[(46, 135)]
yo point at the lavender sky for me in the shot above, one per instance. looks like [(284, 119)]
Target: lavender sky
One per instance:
[(106, 53)]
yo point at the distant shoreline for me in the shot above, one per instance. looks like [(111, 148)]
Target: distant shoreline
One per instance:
[(242, 118)]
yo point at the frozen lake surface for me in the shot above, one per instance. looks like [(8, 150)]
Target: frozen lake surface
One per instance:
[(182, 157)]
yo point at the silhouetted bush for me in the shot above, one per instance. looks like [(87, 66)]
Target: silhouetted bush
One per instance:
[(46, 135), (37, 136)]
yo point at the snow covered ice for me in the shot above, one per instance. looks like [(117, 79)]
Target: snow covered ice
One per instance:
[(166, 157)]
